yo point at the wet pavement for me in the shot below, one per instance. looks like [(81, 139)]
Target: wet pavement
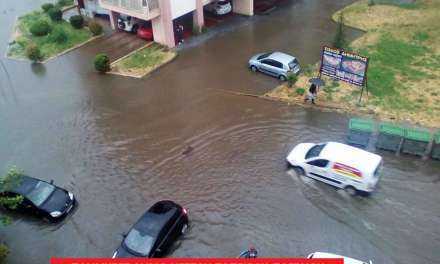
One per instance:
[(119, 143)]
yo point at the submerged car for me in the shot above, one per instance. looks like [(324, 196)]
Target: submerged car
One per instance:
[(155, 232), (337, 164), (220, 7), (347, 260), (41, 198), (277, 64)]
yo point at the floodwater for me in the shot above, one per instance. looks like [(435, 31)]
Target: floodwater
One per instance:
[(119, 144)]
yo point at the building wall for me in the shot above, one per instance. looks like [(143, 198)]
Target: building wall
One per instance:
[(244, 7), (182, 7)]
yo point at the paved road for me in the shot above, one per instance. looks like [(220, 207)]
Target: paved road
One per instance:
[(118, 144)]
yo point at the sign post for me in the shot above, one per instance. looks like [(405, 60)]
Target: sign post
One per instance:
[(345, 66)]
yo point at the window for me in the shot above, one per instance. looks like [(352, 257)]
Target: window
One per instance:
[(315, 151), (268, 62), (278, 64), (321, 163), (264, 56)]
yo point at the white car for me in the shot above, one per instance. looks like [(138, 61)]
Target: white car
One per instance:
[(220, 7), (128, 23), (337, 164), (347, 260)]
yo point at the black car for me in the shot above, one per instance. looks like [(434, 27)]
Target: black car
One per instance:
[(41, 198), (154, 232)]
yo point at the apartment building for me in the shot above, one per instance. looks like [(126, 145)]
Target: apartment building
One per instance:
[(162, 13)]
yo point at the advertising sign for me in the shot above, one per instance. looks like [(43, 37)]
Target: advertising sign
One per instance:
[(344, 66)]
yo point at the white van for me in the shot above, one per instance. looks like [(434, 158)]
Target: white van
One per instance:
[(337, 164), (347, 260)]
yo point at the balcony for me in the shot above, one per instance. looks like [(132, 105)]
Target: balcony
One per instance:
[(143, 9)]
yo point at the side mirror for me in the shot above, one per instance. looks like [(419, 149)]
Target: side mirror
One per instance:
[(124, 235), (51, 181)]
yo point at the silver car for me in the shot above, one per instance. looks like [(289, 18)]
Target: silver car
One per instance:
[(277, 64)]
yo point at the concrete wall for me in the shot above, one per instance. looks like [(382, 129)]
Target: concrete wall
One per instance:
[(163, 29), (182, 7), (244, 7)]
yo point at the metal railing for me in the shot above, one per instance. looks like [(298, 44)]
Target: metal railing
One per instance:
[(138, 6)]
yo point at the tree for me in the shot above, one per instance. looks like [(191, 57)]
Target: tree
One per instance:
[(8, 181), (339, 41)]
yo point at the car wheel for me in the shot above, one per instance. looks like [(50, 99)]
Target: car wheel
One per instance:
[(135, 29), (350, 190), (300, 171), (282, 78), (184, 229), (253, 68)]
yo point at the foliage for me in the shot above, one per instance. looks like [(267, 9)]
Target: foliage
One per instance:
[(40, 28), (102, 63), (95, 28), (7, 182), (4, 251), (339, 40), (291, 79), (33, 52), (300, 91), (55, 14), (77, 21), (371, 2), (46, 7), (58, 35)]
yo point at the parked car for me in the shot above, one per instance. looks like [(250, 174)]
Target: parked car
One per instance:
[(337, 164), (145, 32), (220, 7), (277, 64), (347, 260), (41, 198), (128, 24), (155, 232)]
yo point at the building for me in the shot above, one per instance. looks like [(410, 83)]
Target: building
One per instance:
[(163, 13)]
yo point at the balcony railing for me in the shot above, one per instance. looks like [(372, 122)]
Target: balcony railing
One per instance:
[(142, 7)]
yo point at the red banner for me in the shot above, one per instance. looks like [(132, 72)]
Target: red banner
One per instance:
[(195, 261)]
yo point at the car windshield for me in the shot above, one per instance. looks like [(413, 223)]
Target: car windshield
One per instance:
[(315, 151), (40, 193), (139, 243), (263, 56), (293, 64)]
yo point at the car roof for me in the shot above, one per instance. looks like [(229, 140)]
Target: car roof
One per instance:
[(152, 223), (281, 57), (362, 160), (347, 260)]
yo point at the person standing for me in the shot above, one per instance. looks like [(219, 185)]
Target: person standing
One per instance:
[(312, 94)]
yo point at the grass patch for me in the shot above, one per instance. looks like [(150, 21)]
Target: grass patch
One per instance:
[(48, 46), (143, 61)]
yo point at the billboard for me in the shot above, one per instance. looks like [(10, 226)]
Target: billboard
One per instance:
[(344, 66)]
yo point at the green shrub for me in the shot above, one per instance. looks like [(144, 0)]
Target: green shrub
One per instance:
[(300, 91), (46, 7), (102, 63), (40, 28), (95, 28), (58, 35), (371, 2), (33, 53), (77, 21), (55, 14), (291, 79), (4, 251)]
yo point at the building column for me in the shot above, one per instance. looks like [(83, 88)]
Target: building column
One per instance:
[(163, 29), (114, 20), (244, 7), (198, 16)]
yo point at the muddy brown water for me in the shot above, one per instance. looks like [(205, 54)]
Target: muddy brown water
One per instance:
[(119, 144)]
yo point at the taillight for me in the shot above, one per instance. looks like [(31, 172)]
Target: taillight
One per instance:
[(185, 211)]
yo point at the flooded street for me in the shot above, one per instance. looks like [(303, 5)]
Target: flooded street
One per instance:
[(119, 145)]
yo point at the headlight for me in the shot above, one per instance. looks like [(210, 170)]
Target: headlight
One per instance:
[(115, 254), (56, 214), (70, 195)]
